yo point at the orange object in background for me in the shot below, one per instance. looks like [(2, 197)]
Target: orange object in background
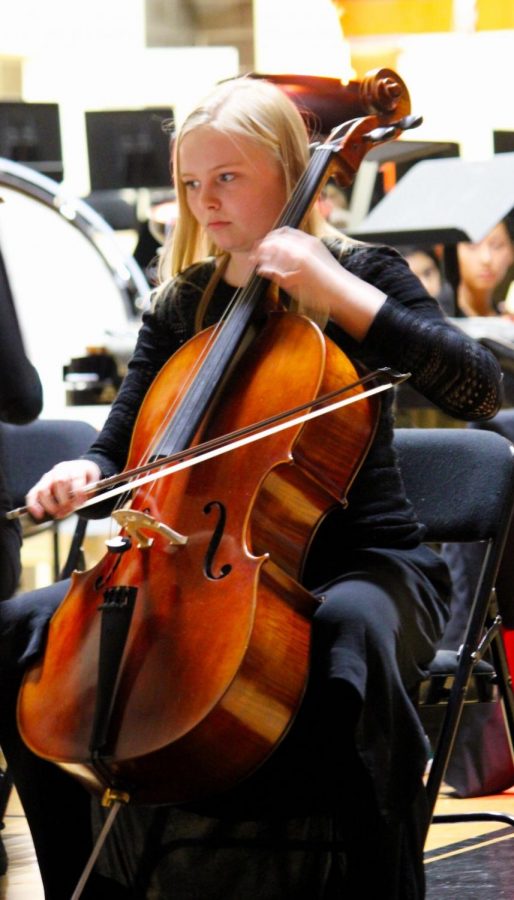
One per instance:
[(494, 15), (388, 170), (362, 18)]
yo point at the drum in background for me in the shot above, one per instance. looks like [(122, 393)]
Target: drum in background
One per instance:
[(73, 286)]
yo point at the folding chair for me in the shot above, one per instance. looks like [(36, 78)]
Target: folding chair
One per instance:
[(27, 451), (461, 483)]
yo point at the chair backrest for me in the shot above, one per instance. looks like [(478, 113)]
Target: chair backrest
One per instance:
[(460, 481), (28, 451)]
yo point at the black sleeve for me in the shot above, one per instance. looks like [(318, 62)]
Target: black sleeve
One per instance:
[(449, 368), (21, 395), (411, 334)]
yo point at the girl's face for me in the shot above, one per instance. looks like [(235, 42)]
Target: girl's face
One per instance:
[(483, 266), (234, 187)]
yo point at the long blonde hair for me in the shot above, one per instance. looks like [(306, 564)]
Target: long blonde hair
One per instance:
[(257, 109)]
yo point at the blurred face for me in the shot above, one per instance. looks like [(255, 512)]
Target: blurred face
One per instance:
[(426, 270), (234, 188), (483, 266)]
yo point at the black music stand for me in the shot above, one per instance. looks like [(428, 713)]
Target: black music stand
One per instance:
[(443, 201)]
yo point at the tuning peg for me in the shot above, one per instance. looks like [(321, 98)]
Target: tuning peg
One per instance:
[(409, 122), (385, 133)]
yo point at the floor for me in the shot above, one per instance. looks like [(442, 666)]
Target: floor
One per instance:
[(472, 861), (464, 861)]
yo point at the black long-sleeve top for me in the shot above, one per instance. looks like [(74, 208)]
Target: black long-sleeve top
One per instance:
[(21, 393), (409, 334)]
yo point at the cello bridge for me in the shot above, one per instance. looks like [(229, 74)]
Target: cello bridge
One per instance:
[(134, 521)]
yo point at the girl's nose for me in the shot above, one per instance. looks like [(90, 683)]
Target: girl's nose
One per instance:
[(208, 198)]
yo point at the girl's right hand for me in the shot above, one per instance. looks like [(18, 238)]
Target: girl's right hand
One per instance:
[(61, 491)]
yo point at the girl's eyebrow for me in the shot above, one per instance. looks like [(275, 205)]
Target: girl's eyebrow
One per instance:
[(225, 165)]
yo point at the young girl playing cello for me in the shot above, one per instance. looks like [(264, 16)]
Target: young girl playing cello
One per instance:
[(237, 158)]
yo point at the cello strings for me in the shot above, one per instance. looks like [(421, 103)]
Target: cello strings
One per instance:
[(169, 421), (166, 425)]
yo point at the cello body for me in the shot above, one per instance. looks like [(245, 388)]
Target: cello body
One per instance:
[(216, 658)]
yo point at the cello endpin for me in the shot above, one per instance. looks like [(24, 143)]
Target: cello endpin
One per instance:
[(112, 795)]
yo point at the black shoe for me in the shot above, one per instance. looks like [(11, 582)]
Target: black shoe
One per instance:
[(3, 857)]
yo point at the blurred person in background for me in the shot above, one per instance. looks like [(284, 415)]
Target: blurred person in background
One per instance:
[(483, 267), (424, 262), (21, 400)]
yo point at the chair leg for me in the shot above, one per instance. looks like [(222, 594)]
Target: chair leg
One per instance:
[(474, 817), (56, 554), (504, 681), (472, 647), (75, 558), (5, 791), (6, 785), (452, 716)]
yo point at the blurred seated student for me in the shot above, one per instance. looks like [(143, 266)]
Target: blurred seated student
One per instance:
[(425, 264), (485, 269), (20, 402), (483, 266)]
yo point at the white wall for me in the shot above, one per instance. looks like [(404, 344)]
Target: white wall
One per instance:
[(120, 77), (51, 26), (462, 85), (300, 37)]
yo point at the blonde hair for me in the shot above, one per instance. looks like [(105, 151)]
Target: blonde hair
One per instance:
[(253, 108)]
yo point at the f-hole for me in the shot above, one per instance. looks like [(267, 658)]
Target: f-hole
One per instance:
[(215, 542)]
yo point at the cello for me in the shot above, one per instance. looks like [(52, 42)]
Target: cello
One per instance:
[(176, 664)]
